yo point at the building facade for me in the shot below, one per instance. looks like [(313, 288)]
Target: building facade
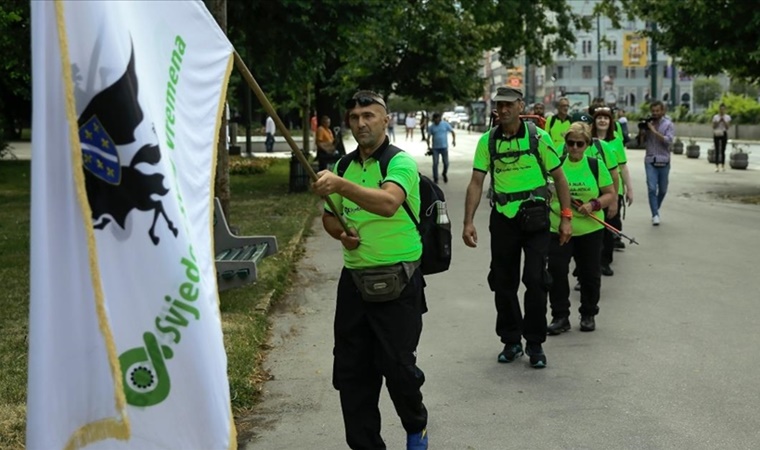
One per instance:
[(625, 78)]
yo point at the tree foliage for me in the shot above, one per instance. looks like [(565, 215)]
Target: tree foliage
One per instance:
[(426, 50), (706, 90), (16, 63), (515, 26), (707, 36)]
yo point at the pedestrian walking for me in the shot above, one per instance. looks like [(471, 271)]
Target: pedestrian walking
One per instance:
[(517, 155), (720, 124), (607, 150), (269, 129), (590, 186), (376, 331), (423, 124), (439, 131), (558, 124), (410, 123), (659, 134), (392, 127)]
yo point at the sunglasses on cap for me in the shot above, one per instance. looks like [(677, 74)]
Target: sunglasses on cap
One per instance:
[(363, 100), (576, 144), (603, 109)]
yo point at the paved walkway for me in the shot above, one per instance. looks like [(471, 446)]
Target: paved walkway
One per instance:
[(672, 364)]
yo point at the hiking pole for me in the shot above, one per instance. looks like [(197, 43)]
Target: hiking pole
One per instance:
[(285, 133), (577, 203)]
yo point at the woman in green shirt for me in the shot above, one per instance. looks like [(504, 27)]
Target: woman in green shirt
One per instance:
[(591, 190)]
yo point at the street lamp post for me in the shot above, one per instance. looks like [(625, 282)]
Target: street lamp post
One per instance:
[(598, 59)]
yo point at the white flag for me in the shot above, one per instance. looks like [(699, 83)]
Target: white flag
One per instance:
[(126, 347)]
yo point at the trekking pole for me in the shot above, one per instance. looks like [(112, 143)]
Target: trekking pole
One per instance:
[(577, 203), (284, 130)]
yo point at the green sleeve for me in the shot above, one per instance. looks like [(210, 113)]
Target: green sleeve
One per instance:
[(609, 155), (402, 170), (549, 155), (605, 179), (619, 149), (482, 158)]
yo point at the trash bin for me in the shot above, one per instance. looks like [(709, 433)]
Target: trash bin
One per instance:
[(299, 178)]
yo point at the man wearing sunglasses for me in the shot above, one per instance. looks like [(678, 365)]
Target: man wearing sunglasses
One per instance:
[(519, 223), (376, 339)]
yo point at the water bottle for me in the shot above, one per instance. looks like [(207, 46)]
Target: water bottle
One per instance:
[(442, 214)]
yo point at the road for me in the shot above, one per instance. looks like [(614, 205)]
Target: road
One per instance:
[(673, 363)]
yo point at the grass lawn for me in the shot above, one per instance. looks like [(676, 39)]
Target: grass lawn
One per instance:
[(260, 205)]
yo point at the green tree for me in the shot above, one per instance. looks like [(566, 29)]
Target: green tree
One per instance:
[(706, 90), (707, 36), (15, 82), (743, 87)]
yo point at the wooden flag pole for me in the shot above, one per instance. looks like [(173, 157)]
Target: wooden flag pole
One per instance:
[(285, 133)]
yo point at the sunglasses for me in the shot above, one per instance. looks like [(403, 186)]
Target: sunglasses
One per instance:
[(576, 144), (364, 101)]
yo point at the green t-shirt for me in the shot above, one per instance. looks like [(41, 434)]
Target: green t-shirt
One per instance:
[(383, 240), (618, 149), (516, 173), (583, 187), (557, 128)]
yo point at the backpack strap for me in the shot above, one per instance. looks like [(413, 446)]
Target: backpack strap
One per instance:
[(593, 164), (600, 150), (345, 161), (552, 119), (533, 139), (384, 160)]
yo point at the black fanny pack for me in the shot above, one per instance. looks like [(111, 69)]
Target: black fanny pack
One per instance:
[(533, 216), (659, 163), (385, 283)]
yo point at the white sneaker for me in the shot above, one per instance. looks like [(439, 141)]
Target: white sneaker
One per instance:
[(656, 220)]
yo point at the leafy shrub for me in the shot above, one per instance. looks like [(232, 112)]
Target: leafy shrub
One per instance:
[(742, 109), (249, 166)]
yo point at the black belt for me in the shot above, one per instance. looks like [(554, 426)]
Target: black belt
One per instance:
[(503, 199)]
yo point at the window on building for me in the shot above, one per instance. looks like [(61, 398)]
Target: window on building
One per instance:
[(612, 71), (646, 72), (633, 72), (612, 48), (560, 72), (587, 72)]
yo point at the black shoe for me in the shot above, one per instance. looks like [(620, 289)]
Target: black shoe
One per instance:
[(558, 326), (510, 353), (619, 245), (445, 178), (536, 354), (577, 286), (588, 323), (607, 270)]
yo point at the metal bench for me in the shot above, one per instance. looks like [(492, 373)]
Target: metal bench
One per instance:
[(237, 256)]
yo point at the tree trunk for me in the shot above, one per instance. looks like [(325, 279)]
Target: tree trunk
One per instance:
[(218, 9)]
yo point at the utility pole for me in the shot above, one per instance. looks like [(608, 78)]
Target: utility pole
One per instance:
[(653, 65), (526, 77), (673, 72), (598, 59)]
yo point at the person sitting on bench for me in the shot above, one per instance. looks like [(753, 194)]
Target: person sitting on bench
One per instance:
[(325, 139)]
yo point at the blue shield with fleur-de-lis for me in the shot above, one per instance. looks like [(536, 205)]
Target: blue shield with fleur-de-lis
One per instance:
[(99, 153)]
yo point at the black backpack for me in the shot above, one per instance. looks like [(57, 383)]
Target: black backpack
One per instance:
[(434, 225)]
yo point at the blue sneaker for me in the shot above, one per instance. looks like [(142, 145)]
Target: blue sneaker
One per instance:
[(417, 441), (510, 353)]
